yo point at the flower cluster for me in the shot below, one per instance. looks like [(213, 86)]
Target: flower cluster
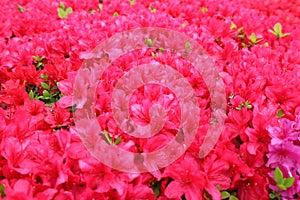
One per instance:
[(255, 46), (284, 151)]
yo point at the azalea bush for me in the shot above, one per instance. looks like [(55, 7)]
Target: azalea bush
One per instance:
[(253, 44)]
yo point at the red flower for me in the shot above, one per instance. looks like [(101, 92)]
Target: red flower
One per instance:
[(57, 116), (254, 188), (188, 180), (217, 172)]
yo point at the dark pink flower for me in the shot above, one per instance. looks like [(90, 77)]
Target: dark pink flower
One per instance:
[(57, 116), (188, 180)]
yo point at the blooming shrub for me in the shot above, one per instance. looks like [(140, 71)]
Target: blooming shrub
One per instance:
[(255, 46)]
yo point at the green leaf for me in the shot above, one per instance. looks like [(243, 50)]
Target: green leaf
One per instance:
[(149, 42), (278, 28), (253, 38), (45, 85), (240, 29), (162, 49), (232, 26), (107, 137), (285, 34), (238, 108), (72, 108), (187, 46), (225, 194), (118, 140), (273, 32), (54, 87), (44, 76), (278, 31), (233, 198), (153, 54), (153, 10), (204, 9), (92, 11), (20, 8), (281, 186), (275, 195), (156, 191), (288, 182), (2, 190), (46, 94), (272, 196), (61, 13), (155, 186), (37, 58), (69, 10), (280, 113), (131, 2), (62, 5), (248, 105), (213, 121), (31, 95), (116, 14), (100, 6), (278, 176)]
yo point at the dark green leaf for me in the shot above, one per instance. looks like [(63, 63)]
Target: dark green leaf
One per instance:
[(155, 186), (2, 190), (272, 196)]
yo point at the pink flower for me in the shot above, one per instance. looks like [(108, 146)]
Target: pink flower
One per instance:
[(20, 190), (286, 131), (58, 117), (284, 153), (99, 177), (217, 172), (188, 180)]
